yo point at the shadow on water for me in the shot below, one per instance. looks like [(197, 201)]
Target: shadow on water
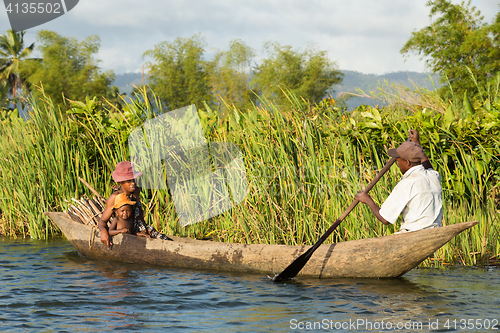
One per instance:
[(380, 286), (399, 285), (49, 286)]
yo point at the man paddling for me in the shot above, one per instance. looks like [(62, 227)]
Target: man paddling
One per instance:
[(418, 195)]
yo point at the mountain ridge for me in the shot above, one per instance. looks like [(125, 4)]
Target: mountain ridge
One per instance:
[(352, 81)]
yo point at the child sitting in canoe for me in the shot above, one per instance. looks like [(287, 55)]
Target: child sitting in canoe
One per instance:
[(123, 223), (125, 176)]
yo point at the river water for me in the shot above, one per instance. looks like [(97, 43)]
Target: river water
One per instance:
[(49, 287)]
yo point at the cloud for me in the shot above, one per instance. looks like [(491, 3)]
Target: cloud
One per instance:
[(362, 35)]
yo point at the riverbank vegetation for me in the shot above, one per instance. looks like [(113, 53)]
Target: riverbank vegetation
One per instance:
[(304, 164), (305, 156), (178, 71)]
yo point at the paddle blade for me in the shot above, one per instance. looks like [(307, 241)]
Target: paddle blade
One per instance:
[(294, 268)]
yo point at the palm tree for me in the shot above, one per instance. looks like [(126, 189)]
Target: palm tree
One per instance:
[(12, 53)]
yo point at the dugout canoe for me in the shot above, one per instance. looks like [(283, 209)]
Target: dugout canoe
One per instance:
[(381, 257)]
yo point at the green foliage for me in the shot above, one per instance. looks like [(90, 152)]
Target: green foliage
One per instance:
[(231, 75), (303, 168), (463, 139), (309, 74), (12, 55), (178, 74), (459, 46), (9, 116), (68, 69), (43, 158), (305, 159)]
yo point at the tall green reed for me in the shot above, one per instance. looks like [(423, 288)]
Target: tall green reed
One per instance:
[(40, 165), (304, 165)]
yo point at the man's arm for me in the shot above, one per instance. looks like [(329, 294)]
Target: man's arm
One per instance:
[(367, 199), (415, 137)]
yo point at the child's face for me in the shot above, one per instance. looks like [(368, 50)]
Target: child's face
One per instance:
[(124, 212)]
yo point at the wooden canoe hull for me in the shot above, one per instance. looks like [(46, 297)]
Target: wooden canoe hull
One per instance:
[(382, 257)]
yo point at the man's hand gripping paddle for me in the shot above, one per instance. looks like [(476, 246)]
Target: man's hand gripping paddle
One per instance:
[(294, 268)]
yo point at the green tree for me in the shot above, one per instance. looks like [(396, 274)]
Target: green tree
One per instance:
[(178, 74), (68, 69), (12, 55), (457, 44), (231, 75), (310, 74)]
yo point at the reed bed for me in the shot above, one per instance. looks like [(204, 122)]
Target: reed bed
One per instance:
[(304, 165)]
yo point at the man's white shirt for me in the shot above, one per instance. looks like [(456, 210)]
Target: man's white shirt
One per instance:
[(418, 197)]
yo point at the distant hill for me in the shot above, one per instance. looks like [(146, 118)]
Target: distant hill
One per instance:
[(125, 82), (352, 80), (367, 82)]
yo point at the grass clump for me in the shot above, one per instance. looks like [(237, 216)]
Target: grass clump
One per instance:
[(304, 164)]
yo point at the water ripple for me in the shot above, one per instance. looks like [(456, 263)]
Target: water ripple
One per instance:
[(48, 286)]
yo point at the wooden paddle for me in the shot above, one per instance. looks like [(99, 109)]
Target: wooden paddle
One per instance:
[(294, 268)]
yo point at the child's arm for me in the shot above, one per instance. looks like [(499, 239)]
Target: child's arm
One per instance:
[(112, 228), (118, 231)]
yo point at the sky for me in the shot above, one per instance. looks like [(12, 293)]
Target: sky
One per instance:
[(359, 35)]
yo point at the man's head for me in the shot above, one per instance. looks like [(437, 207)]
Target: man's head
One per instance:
[(409, 154)]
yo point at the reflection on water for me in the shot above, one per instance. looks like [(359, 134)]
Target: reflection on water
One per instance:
[(49, 286)]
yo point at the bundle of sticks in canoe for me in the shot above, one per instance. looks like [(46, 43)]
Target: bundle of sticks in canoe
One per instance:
[(86, 211)]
